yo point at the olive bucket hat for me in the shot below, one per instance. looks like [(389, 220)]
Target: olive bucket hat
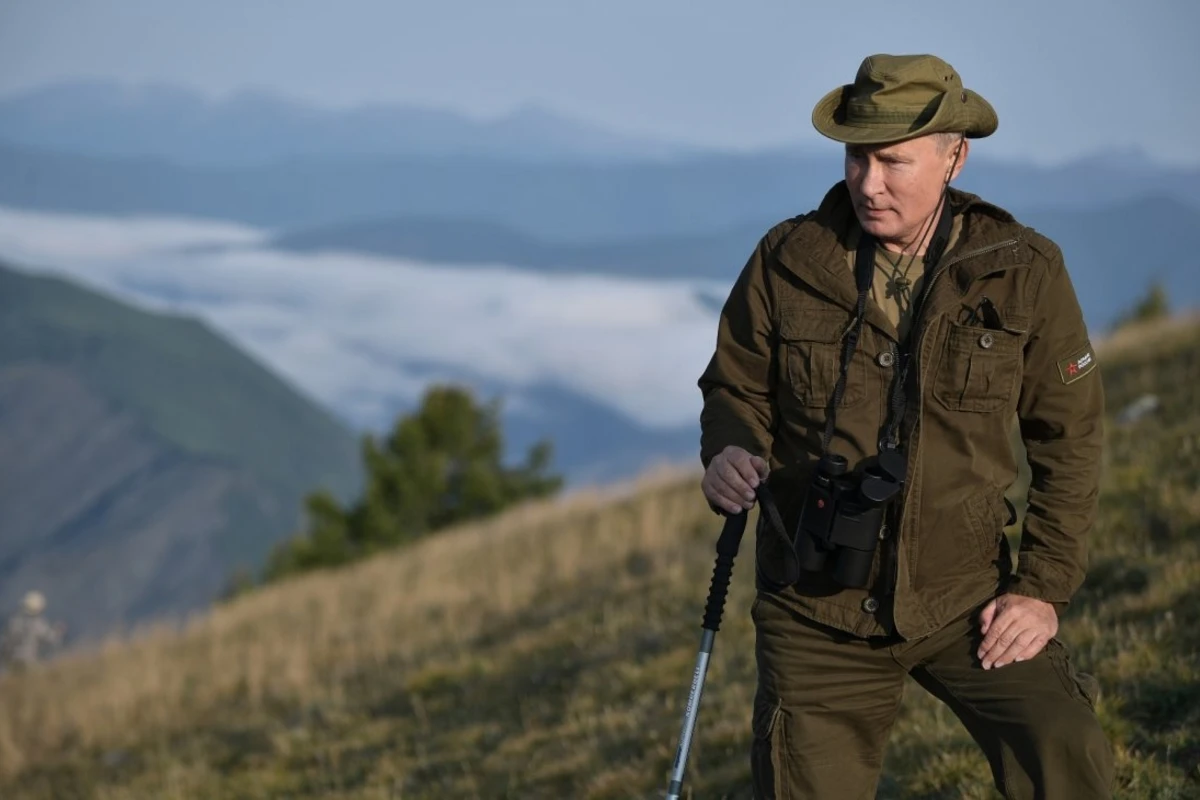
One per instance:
[(894, 98)]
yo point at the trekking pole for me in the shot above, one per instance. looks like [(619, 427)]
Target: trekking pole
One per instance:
[(727, 549)]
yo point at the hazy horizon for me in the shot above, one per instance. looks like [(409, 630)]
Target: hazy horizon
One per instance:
[(1083, 78)]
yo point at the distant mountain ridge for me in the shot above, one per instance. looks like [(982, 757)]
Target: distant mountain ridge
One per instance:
[(555, 202), (466, 241), (182, 126), (142, 457)]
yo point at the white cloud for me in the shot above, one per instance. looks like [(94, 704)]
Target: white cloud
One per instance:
[(363, 334), (57, 238)]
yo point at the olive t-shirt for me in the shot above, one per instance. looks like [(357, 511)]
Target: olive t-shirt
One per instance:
[(898, 279)]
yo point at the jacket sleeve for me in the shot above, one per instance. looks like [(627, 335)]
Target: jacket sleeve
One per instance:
[(1061, 414), (737, 384)]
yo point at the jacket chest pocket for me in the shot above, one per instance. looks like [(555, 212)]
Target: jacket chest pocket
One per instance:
[(811, 344), (979, 369)]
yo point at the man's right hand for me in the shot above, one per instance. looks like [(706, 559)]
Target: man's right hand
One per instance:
[(731, 478)]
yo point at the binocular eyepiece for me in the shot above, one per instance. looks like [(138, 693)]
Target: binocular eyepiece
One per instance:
[(843, 514)]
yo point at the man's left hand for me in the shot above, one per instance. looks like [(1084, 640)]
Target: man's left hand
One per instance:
[(1015, 628)]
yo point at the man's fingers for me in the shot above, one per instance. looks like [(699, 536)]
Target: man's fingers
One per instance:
[(734, 482), (718, 492), (760, 464), (1003, 656), (720, 496), (1000, 634), (735, 504), (1033, 648), (1027, 645), (986, 616), (999, 625), (727, 505), (747, 471)]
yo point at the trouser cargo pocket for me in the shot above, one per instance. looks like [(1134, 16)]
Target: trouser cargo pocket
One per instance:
[(1080, 685)]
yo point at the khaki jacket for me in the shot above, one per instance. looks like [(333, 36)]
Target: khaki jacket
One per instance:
[(771, 377)]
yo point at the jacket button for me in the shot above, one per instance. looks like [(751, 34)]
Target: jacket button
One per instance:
[(886, 358), (870, 605), (987, 340)]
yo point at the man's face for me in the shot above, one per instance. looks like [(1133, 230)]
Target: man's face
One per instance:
[(895, 188)]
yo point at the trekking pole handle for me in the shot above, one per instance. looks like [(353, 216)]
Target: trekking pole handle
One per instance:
[(727, 548)]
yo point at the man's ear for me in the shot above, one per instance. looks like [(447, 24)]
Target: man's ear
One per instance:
[(963, 148)]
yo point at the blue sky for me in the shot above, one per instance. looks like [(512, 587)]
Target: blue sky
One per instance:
[(1067, 77)]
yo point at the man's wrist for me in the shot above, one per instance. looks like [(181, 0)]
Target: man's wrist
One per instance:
[(1018, 590)]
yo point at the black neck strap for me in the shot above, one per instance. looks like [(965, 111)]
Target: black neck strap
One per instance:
[(864, 269), (898, 402)]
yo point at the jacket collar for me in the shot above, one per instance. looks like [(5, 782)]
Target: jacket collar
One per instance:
[(991, 240), (816, 254)]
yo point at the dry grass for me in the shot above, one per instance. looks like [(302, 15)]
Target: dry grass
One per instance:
[(1134, 339), (547, 653), (301, 642)]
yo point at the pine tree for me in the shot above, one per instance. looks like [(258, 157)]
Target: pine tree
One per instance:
[(1153, 305), (437, 467)]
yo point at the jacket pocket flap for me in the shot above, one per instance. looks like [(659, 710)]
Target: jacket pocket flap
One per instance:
[(814, 324), (987, 341)]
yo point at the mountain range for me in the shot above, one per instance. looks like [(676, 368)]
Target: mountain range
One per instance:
[(555, 202), (183, 126)]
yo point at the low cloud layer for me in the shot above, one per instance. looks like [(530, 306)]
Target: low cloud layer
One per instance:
[(365, 335)]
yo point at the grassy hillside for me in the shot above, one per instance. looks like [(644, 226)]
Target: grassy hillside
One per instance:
[(547, 653), (144, 446), (192, 386)]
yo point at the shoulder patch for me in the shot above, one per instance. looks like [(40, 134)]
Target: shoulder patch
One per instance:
[(1077, 365)]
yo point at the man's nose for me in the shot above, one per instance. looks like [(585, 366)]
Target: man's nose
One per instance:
[(871, 179)]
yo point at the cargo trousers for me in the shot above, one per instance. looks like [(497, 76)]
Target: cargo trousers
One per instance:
[(826, 701)]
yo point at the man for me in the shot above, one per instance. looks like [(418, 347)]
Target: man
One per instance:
[(901, 326), (27, 633)]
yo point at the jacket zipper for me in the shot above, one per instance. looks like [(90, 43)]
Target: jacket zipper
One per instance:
[(915, 456)]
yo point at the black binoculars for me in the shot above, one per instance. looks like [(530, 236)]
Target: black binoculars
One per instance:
[(843, 514)]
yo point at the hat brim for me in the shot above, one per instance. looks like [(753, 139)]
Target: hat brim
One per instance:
[(975, 117)]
